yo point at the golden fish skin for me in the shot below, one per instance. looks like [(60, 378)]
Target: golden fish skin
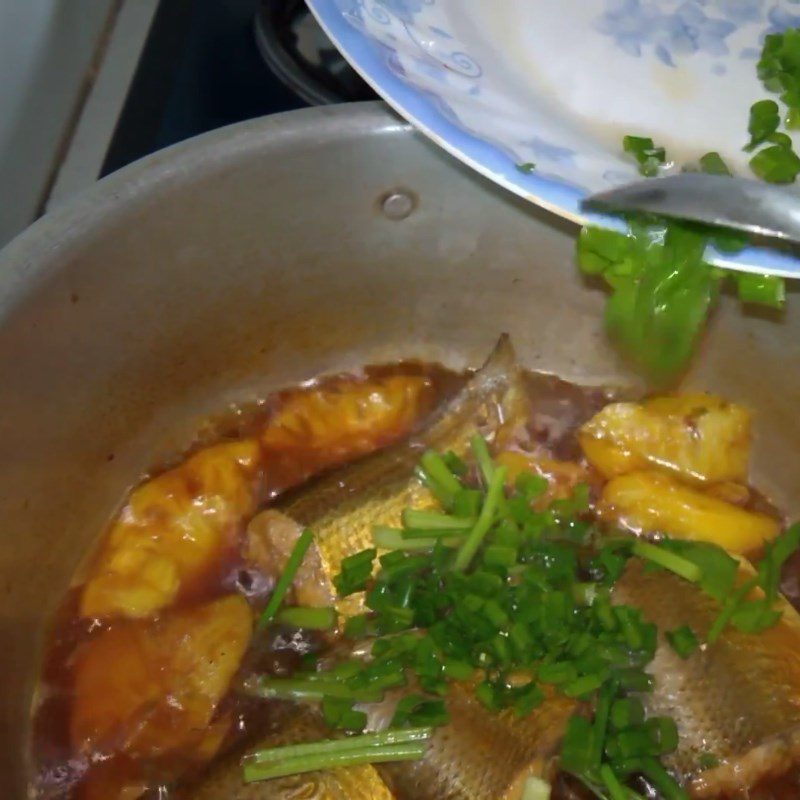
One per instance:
[(289, 724), (341, 508), (481, 754), (737, 700)]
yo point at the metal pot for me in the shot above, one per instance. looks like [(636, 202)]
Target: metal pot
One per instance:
[(252, 258)]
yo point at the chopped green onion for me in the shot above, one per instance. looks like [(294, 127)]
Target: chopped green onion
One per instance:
[(418, 710), (287, 576), (335, 756), (338, 712), (583, 687), (557, 673), (664, 733), (311, 689), (729, 609), (455, 463), (530, 486), (313, 619), (394, 539), (498, 555), (602, 717), (390, 736), (434, 520), (437, 470), (435, 533), (355, 572), (683, 641), (626, 713), (686, 569), (481, 451), (357, 626), (616, 790), (458, 670), (467, 503), (494, 494), (763, 290), (662, 781), (577, 748)]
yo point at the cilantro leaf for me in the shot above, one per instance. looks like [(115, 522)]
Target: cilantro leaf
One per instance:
[(764, 121), (713, 164), (776, 164), (648, 156)]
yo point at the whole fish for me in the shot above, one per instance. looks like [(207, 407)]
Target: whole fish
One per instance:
[(480, 755), (736, 702)]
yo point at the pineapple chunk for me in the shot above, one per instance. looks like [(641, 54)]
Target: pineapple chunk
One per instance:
[(146, 688), (173, 530), (348, 417), (699, 437), (652, 502)]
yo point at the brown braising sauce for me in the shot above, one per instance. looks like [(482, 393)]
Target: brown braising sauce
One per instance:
[(61, 774)]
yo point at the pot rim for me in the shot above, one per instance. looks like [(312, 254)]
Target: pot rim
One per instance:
[(34, 253)]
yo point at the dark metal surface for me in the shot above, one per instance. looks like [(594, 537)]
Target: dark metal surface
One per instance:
[(302, 57), (252, 258), (200, 70)]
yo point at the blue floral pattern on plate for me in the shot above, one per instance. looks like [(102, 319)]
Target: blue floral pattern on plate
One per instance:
[(504, 84)]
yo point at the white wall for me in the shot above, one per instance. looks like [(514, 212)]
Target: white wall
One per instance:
[(46, 50)]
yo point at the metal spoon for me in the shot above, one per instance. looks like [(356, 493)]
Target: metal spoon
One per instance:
[(769, 211)]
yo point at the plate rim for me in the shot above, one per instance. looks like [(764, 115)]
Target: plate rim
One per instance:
[(361, 52)]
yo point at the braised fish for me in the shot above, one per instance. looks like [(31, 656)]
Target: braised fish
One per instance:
[(480, 754), (342, 507), (736, 702)]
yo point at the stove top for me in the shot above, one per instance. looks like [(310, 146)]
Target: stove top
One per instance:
[(210, 63)]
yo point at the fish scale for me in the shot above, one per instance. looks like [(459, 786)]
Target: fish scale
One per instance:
[(481, 754), (737, 700)]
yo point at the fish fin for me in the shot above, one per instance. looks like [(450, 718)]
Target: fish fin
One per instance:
[(495, 391), (501, 361)]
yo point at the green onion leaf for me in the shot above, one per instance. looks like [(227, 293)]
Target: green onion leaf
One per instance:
[(308, 688), (338, 713), (340, 753), (313, 619), (287, 576), (494, 494), (355, 572), (762, 290), (671, 561), (480, 449), (683, 641)]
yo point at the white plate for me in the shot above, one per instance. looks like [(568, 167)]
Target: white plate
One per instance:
[(558, 83)]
